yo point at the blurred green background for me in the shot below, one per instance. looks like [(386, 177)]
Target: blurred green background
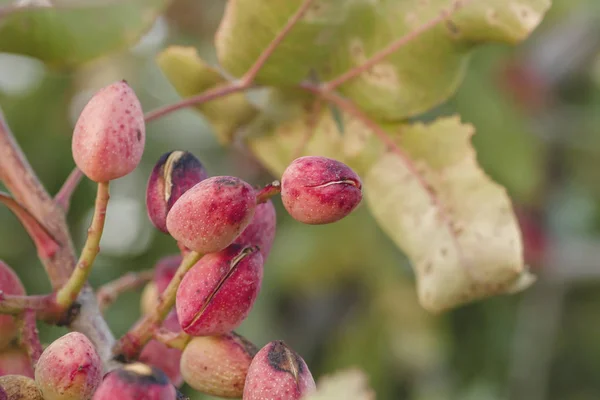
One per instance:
[(342, 295)]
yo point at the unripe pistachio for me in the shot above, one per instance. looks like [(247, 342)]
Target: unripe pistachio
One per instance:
[(109, 136), (261, 231), (217, 365), (217, 293), (277, 372), (319, 190), (15, 361), (166, 359), (18, 387), (174, 173), (134, 382), (69, 369), (9, 284), (211, 215)]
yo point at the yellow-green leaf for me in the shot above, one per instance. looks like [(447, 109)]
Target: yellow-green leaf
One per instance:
[(68, 32), (427, 70), (190, 75), (250, 25), (454, 223)]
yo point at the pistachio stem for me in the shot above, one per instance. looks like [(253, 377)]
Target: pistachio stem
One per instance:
[(69, 292), (129, 345), (246, 82), (29, 336), (270, 190), (175, 340), (63, 197), (109, 292), (394, 46)]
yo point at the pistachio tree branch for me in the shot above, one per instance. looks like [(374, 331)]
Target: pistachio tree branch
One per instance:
[(16, 304), (129, 345), (69, 292), (19, 178), (29, 336), (108, 293), (246, 82), (63, 197), (44, 242), (395, 46)]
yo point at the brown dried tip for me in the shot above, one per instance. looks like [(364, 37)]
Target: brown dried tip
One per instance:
[(211, 215), (135, 381), (174, 173), (69, 369), (278, 372), (9, 284), (110, 135), (320, 190), (217, 365), (17, 387), (217, 293)]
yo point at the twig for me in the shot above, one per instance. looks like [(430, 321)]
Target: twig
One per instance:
[(394, 46), (313, 119), (130, 344), (69, 292), (29, 336), (63, 197), (21, 181), (270, 190), (175, 340), (246, 82), (351, 109), (15, 304), (45, 244), (108, 293)]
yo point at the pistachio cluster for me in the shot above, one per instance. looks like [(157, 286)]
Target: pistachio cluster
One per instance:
[(228, 226)]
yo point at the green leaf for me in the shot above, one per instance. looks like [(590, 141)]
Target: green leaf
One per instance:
[(454, 223), (427, 70), (250, 25), (70, 33), (190, 75)]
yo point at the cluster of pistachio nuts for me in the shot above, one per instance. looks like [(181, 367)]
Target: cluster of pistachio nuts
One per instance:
[(223, 218)]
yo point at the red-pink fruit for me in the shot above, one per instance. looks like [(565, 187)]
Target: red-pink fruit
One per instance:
[(217, 365), (277, 372), (164, 270), (217, 293), (135, 381), (9, 284), (211, 215), (69, 369), (18, 387), (164, 358), (15, 361), (261, 231), (109, 136), (174, 173), (319, 190)]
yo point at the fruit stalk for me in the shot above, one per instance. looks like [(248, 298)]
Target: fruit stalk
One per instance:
[(129, 345), (69, 292)]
